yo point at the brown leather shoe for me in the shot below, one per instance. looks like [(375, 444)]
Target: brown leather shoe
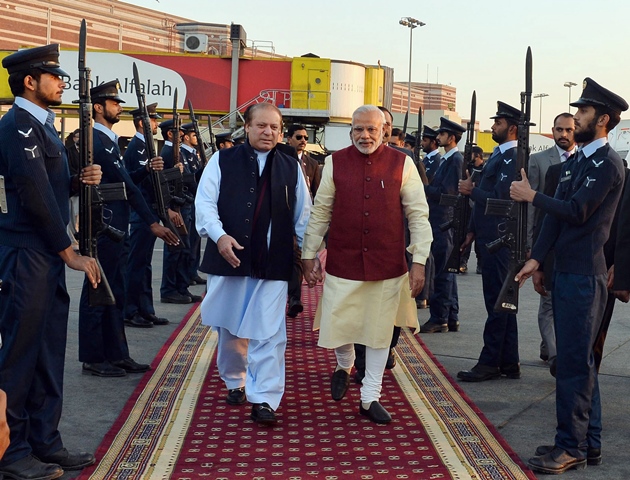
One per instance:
[(555, 462), (432, 327), (593, 455)]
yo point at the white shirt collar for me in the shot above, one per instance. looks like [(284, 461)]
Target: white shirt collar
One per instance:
[(102, 128), (433, 153), (140, 136), (188, 148), (449, 153), (41, 114), (507, 145), (590, 149)]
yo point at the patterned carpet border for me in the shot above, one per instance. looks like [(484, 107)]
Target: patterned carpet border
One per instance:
[(145, 439), (467, 442)]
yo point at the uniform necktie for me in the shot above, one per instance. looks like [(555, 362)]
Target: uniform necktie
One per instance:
[(50, 122)]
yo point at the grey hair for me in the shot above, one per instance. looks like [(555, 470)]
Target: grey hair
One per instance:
[(368, 109)]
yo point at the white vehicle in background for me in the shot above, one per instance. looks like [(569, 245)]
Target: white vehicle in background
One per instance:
[(619, 139)]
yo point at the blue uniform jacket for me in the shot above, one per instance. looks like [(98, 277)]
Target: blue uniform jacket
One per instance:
[(107, 155), (431, 165), (581, 212), (498, 174), (37, 184), (444, 181)]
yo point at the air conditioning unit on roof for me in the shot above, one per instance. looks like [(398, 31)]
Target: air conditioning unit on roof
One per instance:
[(195, 43)]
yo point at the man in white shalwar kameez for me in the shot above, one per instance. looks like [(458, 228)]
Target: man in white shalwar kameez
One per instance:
[(366, 191), (251, 202)]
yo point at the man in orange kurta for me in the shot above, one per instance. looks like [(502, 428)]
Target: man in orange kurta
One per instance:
[(366, 191)]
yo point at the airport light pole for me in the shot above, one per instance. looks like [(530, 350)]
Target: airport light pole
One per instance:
[(411, 23), (541, 96), (569, 85)]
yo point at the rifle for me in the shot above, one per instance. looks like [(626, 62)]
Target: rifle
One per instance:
[(405, 122), (514, 230), (202, 148), (461, 203), (417, 147), (160, 188), (178, 184), (93, 197)]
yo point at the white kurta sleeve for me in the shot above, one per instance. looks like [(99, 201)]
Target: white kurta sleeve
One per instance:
[(207, 219), (321, 213), (416, 210)]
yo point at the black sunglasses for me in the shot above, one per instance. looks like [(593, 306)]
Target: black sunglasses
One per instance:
[(300, 137)]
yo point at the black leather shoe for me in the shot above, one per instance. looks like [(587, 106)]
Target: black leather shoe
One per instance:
[(511, 371), (193, 298), (70, 461), (129, 365), (376, 413), (103, 369), (593, 455), (199, 280), (453, 326), (154, 319), (295, 307), (391, 360), (176, 298), (359, 375), (339, 384), (262, 413), (30, 468), (555, 462), (138, 322), (463, 268), (236, 396), (432, 327), (421, 304), (479, 373), (552, 367)]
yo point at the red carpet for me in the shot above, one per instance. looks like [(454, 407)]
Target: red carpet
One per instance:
[(178, 426)]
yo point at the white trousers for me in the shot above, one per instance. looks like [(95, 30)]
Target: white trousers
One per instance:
[(258, 365), (375, 361)]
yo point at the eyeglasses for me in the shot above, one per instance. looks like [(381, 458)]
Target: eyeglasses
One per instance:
[(300, 137)]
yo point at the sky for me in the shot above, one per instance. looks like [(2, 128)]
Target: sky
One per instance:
[(472, 45)]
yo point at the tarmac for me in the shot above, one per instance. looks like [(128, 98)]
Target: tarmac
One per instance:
[(522, 410)]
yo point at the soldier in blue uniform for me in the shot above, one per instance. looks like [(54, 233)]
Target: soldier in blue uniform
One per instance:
[(499, 355), (193, 167), (444, 304), (102, 342), (34, 250), (139, 311), (175, 278), (431, 148), (577, 225)]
